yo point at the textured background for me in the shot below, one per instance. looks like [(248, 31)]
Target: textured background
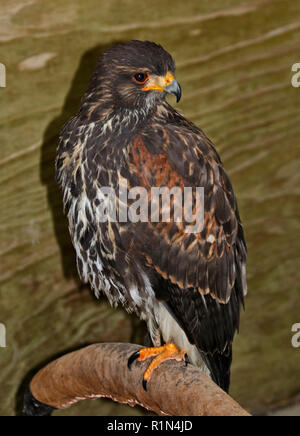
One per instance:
[(234, 63)]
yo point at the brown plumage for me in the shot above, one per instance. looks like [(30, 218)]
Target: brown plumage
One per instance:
[(188, 287)]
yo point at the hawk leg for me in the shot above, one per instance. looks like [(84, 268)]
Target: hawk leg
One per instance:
[(148, 341), (163, 353)]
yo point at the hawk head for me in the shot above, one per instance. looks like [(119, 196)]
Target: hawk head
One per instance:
[(134, 75)]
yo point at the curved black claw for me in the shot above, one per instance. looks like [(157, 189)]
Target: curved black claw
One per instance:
[(186, 359), (132, 358), (145, 385)]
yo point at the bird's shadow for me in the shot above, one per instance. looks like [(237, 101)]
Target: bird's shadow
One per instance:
[(50, 140)]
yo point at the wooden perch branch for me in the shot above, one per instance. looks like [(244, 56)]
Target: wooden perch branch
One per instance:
[(100, 370)]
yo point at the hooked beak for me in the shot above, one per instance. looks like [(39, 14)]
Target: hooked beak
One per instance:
[(166, 84), (175, 89)]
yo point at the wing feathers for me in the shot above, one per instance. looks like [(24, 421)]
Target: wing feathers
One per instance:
[(200, 277)]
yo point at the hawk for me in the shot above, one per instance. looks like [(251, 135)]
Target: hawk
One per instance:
[(188, 286)]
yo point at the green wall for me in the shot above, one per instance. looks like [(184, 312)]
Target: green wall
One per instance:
[(234, 61)]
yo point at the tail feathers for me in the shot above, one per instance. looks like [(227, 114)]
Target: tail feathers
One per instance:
[(219, 366), (216, 363)]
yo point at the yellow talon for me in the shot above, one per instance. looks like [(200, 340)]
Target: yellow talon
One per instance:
[(163, 353)]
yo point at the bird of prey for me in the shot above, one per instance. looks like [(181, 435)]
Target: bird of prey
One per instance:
[(188, 286)]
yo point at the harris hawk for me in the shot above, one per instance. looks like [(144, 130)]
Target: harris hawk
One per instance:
[(189, 287)]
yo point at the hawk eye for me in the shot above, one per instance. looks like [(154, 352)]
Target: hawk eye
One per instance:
[(141, 77)]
